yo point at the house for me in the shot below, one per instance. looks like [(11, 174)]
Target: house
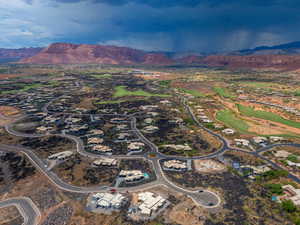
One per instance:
[(131, 175), (61, 155), (105, 162), (148, 107), (290, 163), (184, 147), (176, 120), (135, 146), (43, 129), (242, 142), (96, 132), (282, 154), (150, 203), (109, 201), (260, 140), (165, 102), (148, 120), (123, 136), (257, 170), (153, 114), (102, 149), (218, 126), (276, 139), (121, 127), (94, 140), (175, 165), (291, 193), (117, 120), (150, 129), (228, 131)]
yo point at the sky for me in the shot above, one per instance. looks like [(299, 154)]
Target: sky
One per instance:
[(153, 25)]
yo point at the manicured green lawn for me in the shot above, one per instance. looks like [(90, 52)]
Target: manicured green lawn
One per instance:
[(258, 84), (121, 91), (22, 88), (99, 76), (297, 93), (223, 92), (110, 102), (230, 120), (192, 92), (249, 111), (165, 83)]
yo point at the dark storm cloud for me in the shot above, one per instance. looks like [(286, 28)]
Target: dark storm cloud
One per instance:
[(193, 3), (176, 25)]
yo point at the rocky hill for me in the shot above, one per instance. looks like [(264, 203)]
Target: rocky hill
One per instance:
[(63, 53)]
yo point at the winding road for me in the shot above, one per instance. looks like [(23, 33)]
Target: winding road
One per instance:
[(26, 208), (203, 198)]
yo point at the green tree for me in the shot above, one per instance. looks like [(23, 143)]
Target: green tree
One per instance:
[(288, 206), (275, 188)]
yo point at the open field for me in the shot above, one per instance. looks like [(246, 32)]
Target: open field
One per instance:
[(192, 92), (248, 111), (230, 119), (121, 91), (223, 92), (102, 76)]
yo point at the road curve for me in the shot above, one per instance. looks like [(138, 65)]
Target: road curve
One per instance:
[(26, 207)]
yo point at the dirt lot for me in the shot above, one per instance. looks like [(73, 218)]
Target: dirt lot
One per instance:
[(10, 215), (186, 213), (86, 103), (208, 166), (202, 87), (9, 111)]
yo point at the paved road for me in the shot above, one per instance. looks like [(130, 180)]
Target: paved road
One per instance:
[(204, 198), (26, 207), (269, 147)]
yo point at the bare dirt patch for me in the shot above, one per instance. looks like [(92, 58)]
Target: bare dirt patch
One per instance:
[(9, 214), (9, 111), (186, 213), (208, 166), (86, 103), (202, 87)]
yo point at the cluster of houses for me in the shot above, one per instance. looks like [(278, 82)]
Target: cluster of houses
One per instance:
[(285, 108), (291, 160), (29, 102), (201, 115), (33, 98), (251, 171), (258, 141), (150, 112)]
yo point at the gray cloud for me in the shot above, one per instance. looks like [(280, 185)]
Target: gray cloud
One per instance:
[(175, 25)]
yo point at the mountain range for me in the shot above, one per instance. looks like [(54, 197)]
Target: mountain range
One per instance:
[(286, 56)]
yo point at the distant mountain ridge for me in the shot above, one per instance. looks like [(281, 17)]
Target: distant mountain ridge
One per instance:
[(17, 54), (281, 56), (291, 48)]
